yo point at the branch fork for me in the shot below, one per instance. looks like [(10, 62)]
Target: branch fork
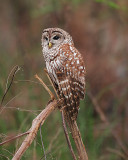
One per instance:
[(40, 119)]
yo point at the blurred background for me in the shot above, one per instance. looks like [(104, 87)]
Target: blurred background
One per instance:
[(100, 32)]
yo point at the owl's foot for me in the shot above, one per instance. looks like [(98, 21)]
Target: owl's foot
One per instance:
[(62, 108)]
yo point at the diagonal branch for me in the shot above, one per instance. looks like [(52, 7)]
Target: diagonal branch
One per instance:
[(13, 138), (39, 120), (45, 86)]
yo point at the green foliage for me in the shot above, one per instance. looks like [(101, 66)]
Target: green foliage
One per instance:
[(111, 4)]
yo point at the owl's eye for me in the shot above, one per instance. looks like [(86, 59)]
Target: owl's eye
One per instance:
[(56, 37), (46, 38)]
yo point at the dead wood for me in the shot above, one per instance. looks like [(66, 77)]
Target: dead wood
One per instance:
[(39, 120)]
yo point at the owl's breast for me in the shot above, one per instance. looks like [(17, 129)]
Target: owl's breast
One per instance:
[(53, 67), (50, 54)]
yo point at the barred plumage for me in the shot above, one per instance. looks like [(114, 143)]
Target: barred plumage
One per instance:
[(65, 67)]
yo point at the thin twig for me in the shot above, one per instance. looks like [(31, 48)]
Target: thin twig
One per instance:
[(47, 89), (46, 72), (54, 140), (27, 80), (25, 110), (39, 120), (3, 107), (13, 138), (4, 156), (67, 137), (16, 68), (98, 109), (117, 152), (42, 143), (7, 151), (30, 82)]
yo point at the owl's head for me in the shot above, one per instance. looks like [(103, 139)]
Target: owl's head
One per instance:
[(52, 38)]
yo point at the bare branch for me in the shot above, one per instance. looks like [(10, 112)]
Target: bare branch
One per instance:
[(47, 89), (98, 109), (39, 120), (13, 138), (42, 144)]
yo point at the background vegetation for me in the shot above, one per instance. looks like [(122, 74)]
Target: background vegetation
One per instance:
[(100, 32)]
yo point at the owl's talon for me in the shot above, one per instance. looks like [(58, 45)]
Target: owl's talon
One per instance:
[(62, 108)]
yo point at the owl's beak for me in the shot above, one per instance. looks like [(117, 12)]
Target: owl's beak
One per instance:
[(50, 45)]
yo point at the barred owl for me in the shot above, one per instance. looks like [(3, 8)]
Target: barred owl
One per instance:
[(65, 68)]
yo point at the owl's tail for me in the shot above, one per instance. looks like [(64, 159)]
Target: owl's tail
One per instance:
[(70, 98)]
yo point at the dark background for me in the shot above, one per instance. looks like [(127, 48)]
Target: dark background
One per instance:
[(100, 32)]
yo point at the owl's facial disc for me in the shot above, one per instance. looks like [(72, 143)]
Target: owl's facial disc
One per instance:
[(45, 39), (52, 39), (56, 39)]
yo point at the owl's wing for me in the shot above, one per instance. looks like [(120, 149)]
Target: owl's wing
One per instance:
[(73, 68), (71, 78)]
